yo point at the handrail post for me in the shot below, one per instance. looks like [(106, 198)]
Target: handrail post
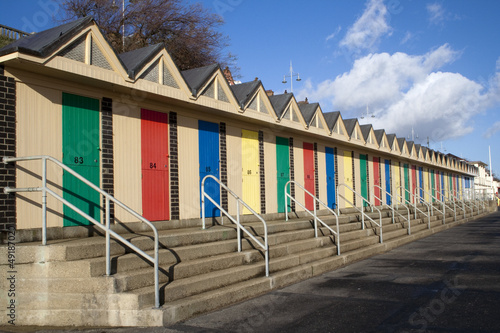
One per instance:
[(286, 200), (315, 221), (44, 201), (203, 203), (108, 240), (238, 230)]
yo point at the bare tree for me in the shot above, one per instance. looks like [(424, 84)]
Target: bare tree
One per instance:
[(189, 32)]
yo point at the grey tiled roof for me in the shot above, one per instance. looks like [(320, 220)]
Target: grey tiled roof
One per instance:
[(245, 91), (411, 146), (365, 129), (331, 118), (379, 135), (391, 138), (135, 60), (308, 111), (46, 42), (197, 77), (401, 143), (280, 102), (350, 124)]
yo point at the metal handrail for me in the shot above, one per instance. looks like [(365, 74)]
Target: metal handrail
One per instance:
[(460, 196), (415, 208), (449, 195), (359, 210), (432, 203), (392, 208), (315, 215), (236, 221), (45, 190)]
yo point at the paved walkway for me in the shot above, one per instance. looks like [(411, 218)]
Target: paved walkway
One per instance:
[(448, 282)]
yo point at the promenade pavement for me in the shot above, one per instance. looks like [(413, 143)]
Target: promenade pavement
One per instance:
[(447, 282)]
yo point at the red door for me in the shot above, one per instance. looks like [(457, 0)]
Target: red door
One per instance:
[(155, 177), (309, 174), (376, 180)]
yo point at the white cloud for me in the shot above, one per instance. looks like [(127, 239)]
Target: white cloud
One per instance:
[(333, 34), (365, 33), (436, 13), (406, 38), (405, 91), (492, 130)]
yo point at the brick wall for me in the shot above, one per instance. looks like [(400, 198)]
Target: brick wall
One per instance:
[(292, 174), (262, 174), (107, 151), (223, 164), (7, 148), (174, 167), (316, 181)]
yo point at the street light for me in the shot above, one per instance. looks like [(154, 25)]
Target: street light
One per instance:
[(292, 74), (115, 6)]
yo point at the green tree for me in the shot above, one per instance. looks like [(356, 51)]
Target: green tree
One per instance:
[(5, 41), (189, 32)]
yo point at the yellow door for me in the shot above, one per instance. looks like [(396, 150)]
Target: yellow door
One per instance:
[(250, 168), (348, 177), (397, 178)]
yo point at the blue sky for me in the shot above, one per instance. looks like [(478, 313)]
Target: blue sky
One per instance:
[(433, 66)]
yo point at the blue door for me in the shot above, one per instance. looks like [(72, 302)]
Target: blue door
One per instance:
[(208, 143), (388, 181), (421, 182), (330, 177)]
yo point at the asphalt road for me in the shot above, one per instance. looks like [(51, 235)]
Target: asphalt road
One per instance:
[(448, 282)]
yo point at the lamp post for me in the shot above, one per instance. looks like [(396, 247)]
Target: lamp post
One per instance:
[(123, 21), (292, 74)]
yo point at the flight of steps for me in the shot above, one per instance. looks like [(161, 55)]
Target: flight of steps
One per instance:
[(64, 283)]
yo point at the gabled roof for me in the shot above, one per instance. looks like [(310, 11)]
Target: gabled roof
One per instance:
[(424, 152), (350, 125), (390, 139), (411, 147), (379, 135), (331, 118), (280, 102), (365, 129), (197, 77), (245, 91), (308, 111), (401, 143), (46, 42), (135, 60)]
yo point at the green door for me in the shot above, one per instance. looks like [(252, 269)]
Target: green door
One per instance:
[(363, 178), (283, 170), (80, 142)]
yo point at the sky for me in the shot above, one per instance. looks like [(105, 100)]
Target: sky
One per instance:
[(423, 69)]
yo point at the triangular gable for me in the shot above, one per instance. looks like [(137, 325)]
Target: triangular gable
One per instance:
[(336, 125), (393, 143), (411, 149), (91, 48), (210, 82), (292, 112), (382, 141), (285, 106), (312, 114), (403, 147), (353, 130), (369, 135), (425, 154), (252, 96)]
